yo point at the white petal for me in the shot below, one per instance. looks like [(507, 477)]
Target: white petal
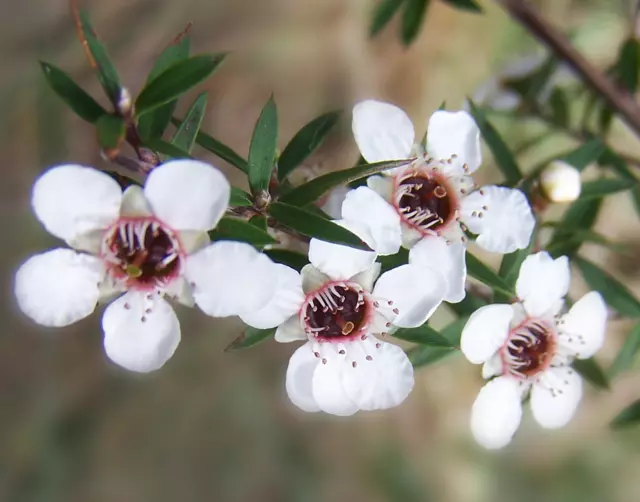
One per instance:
[(134, 203), (382, 131), (342, 262), (454, 133), (410, 236), (501, 216), (367, 278), (290, 331), (299, 377), (485, 332), (415, 291), (582, 329), (448, 259), (188, 194), (73, 200), (193, 240), (285, 302), (492, 367), (366, 207), (382, 185), (381, 382), (327, 388), (230, 278), (555, 399), (542, 282), (140, 333), (333, 204), (497, 412), (59, 287), (312, 278)]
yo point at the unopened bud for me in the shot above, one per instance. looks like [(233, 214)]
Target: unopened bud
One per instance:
[(560, 182), (124, 102)]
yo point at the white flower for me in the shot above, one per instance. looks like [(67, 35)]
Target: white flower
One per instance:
[(345, 366), (146, 243), (530, 347), (560, 182), (434, 196)]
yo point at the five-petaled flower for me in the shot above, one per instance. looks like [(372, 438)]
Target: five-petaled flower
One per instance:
[(148, 243), (530, 347), (434, 196)]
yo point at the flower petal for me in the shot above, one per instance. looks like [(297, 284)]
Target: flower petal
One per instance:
[(366, 207), (454, 133), (188, 194), (382, 131), (312, 278), (290, 331), (141, 332), (542, 282), (555, 397), (367, 278), (134, 203), (501, 216), (284, 303), (59, 287), (582, 329), (497, 412), (415, 291), (327, 387), (448, 258), (382, 185), (485, 332), (73, 200), (299, 378), (342, 262), (381, 378), (333, 203), (230, 278)]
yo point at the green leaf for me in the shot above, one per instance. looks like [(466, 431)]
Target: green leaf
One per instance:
[(262, 151), (510, 268), (480, 271), (469, 304), (581, 215), (176, 80), (628, 64), (559, 104), (240, 198), (422, 356), (469, 5), (250, 337), (312, 225), (172, 54), (423, 335), (627, 417), (391, 261), (107, 74), (412, 18), (579, 237), (504, 158), (605, 186), (627, 354), (185, 136), (167, 149), (110, 131), (305, 142), (613, 291), (591, 371), (292, 259), (383, 13), (316, 188), (233, 229), (72, 94), (584, 155)]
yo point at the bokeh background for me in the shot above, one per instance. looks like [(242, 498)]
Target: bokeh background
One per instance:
[(217, 426)]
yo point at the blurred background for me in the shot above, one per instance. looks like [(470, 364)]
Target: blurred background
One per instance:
[(217, 426)]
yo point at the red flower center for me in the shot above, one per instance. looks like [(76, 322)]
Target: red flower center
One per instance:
[(529, 348)]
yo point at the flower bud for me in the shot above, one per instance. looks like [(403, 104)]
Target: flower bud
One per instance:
[(560, 182)]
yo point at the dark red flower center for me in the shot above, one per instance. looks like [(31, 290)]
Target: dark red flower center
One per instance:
[(425, 202), (336, 311), (529, 348)]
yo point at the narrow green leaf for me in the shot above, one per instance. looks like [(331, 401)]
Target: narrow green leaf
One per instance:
[(612, 290), (504, 158), (185, 136), (628, 64), (412, 19), (470, 303), (584, 155), (510, 268), (605, 186), (580, 216), (559, 104), (312, 225), (260, 222), (578, 237), (292, 259), (627, 354), (176, 80), (171, 55), (627, 417), (305, 142), (110, 131), (240, 198), (469, 5), (391, 261), (591, 371), (316, 188), (166, 148), (72, 94), (423, 335), (262, 151), (480, 271), (424, 355), (107, 74), (383, 13), (250, 337), (233, 229)]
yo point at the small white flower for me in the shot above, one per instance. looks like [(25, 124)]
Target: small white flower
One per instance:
[(146, 243), (529, 346), (345, 366), (560, 182), (434, 197)]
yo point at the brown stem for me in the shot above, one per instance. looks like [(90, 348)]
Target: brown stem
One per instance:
[(527, 15)]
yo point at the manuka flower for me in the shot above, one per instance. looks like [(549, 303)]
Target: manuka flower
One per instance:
[(147, 243), (529, 346), (434, 196)]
